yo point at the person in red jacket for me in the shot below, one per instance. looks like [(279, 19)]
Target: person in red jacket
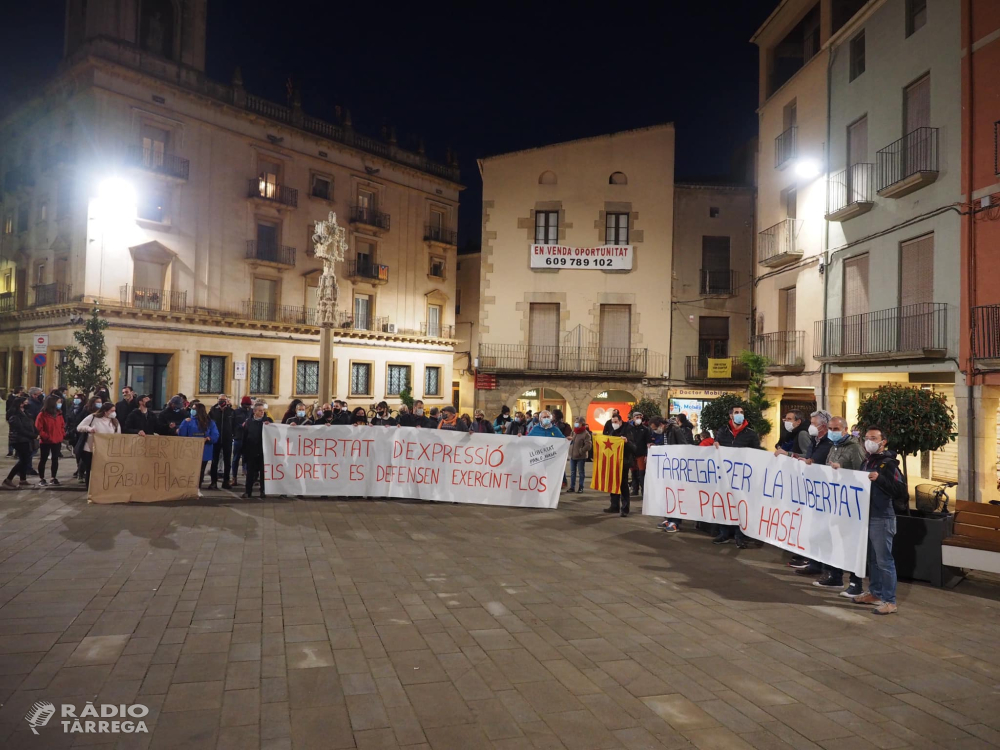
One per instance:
[(51, 426)]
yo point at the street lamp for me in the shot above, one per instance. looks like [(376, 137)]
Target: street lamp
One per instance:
[(807, 169)]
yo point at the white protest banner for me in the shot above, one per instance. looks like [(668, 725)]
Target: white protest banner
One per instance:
[(815, 511), (444, 465), (149, 469)]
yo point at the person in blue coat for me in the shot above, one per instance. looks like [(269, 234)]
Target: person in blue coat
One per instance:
[(545, 427), (200, 426)]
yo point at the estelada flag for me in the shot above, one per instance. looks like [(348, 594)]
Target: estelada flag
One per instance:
[(609, 456)]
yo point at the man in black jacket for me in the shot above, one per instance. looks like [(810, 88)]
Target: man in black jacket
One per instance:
[(617, 427), (643, 437), (382, 418), (253, 448), (340, 413), (736, 434), (171, 417), (240, 416), (126, 405), (141, 421), (11, 398), (222, 415), (888, 487)]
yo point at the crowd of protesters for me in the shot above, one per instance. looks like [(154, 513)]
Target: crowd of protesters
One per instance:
[(40, 424)]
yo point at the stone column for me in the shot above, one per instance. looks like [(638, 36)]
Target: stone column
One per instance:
[(834, 394)]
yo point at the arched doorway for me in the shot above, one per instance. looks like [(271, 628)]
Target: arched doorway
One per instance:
[(539, 398), (600, 408)]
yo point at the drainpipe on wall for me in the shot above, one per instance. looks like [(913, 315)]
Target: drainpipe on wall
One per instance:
[(971, 231), (826, 224)]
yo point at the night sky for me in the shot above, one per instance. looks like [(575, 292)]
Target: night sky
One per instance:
[(480, 82)]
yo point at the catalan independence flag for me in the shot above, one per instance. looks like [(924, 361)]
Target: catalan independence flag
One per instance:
[(609, 455)]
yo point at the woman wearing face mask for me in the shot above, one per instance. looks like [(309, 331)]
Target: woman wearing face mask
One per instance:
[(199, 425), (22, 436), (617, 427), (102, 421), (579, 448), (51, 426), (503, 419), (518, 425), (359, 416), (80, 437)]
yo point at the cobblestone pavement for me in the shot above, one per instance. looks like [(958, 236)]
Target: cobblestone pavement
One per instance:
[(335, 624)]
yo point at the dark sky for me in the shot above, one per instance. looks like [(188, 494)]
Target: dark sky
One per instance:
[(480, 79)]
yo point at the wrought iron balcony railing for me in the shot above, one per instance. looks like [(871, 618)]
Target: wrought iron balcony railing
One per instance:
[(718, 281), (564, 359), (440, 234), (785, 147), (147, 298), (914, 331), (908, 164), (437, 330), (157, 161), (8, 302), (370, 217), (51, 294), (273, 191), (784, 349), (266, 252), (851, 188), (365, 269), (778, 245)]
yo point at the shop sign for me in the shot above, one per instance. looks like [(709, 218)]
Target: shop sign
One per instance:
[(486, 382)]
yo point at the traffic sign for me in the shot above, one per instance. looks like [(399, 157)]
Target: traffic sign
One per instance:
[(40, 360), (240, 370), (42, 343)]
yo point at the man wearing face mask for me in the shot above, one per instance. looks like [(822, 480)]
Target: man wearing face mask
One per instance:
[(737, 433), (222, 415), (617, 427), (643, 437), (141, 421), (382, 418), (518, 425), (846, 452), (795, 439), (546, 427), (817, 453), (171, 417), (888, 488), (340, 413)]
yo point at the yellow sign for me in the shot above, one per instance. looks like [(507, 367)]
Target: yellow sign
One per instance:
[(720, 368), (134, 469)]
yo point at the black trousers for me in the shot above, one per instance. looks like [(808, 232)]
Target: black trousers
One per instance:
[(45, 451), (255, 472), (86, 462), (222, 449), (201, 476), (20, 468), (620, 502)]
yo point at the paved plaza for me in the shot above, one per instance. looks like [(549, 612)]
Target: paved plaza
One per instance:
[(291, 623)]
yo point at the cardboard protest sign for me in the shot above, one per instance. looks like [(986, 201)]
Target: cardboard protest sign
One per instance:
[(815, 511), (407, 462), (609, 459), (150, 469)]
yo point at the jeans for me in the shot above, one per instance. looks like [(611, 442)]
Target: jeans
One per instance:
[(222, 449), (48, 449), (237, 454), (23, 463), (881, 566), (576, 465)]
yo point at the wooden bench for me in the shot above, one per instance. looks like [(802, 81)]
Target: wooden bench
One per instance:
[(974, 543)]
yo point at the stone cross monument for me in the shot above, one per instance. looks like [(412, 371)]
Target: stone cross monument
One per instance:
[(330, 243)]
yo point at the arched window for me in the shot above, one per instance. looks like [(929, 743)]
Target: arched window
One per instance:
[(618, 178), (547, 177), (156, 27)]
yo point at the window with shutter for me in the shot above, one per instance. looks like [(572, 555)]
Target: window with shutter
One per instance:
[(616, 338), (543, 336), (713, 339), (715, 274), (854, 331), (916, 293)]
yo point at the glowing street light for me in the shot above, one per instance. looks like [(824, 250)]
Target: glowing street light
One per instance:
[(807, 169), (116, 200)]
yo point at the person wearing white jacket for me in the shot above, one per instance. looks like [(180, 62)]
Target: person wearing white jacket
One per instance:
[(101, 421)]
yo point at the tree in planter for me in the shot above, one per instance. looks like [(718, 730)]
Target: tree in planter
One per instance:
[(86, 363), (647, 407), (756, 365), (915, 420), (406, 396), (715, 415)]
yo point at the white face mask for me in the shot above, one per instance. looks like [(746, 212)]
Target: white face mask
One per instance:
[(813, 430), (789, 426), (872, 446), (637, 420)]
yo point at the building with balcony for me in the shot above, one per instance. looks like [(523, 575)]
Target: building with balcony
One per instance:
[(185, 208), (711, 292), (577, 254), (857, 284), (980, 237)]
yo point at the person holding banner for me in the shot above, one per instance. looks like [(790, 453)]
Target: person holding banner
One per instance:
[(518, 426), (737, 433), (888, 487), (845, 453), (101, 421), (615, 427), (200, 425), (253, 448)]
